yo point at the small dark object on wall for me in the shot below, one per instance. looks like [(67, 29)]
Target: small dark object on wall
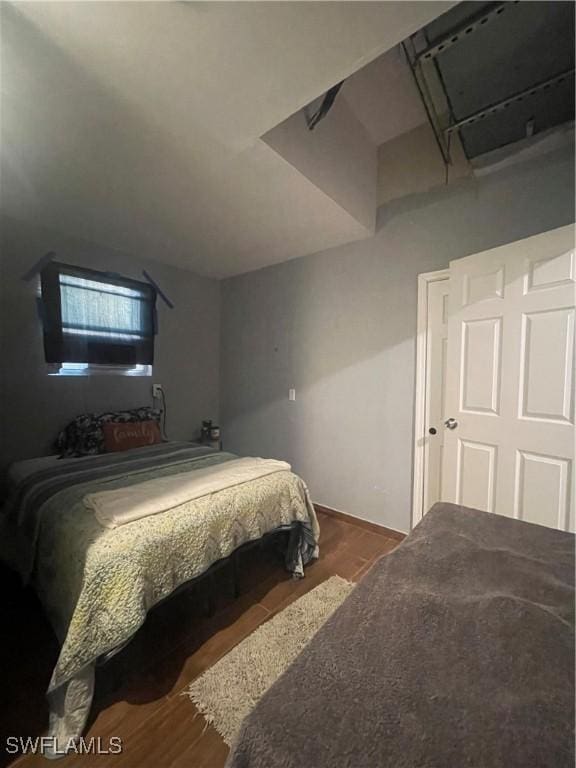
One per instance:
[(325, 107)]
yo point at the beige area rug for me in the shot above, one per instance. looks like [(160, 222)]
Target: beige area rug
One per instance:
[(228, 691)]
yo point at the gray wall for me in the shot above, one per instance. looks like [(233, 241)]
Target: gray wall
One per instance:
[(340, 327), (34, 406)]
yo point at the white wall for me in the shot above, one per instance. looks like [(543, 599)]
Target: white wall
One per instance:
[(339, 326), (412, 164), (337, 156), (35, 406)]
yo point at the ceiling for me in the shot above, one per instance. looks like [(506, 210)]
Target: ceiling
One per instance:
[(137, 125), (384, 97)]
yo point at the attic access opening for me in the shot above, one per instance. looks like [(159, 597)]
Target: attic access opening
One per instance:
[(495, 73)]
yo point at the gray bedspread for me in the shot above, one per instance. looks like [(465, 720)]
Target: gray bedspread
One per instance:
[(456, 650)]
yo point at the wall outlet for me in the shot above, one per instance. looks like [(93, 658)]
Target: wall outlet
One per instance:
[(157, 390), (291, 394)]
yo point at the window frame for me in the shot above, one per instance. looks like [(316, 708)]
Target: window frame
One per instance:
[(61, 347)]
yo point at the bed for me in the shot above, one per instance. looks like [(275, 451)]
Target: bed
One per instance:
[(456, 649), (97, 583)]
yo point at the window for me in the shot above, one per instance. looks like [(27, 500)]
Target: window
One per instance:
[(96, 319), (85, 369)]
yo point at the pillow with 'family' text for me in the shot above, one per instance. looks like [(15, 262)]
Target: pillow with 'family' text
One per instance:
[(130, 434), (84, 435)]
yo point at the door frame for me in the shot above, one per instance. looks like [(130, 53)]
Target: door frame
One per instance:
[(424, 281)]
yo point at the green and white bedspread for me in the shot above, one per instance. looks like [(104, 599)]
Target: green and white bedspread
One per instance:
[(97, 584)]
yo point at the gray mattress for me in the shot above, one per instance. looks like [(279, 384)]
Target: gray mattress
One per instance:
[(457, 649)]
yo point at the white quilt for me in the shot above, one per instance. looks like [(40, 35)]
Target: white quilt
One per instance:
[(124, 505)]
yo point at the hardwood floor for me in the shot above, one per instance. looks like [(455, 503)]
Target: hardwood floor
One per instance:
[(138, 693)]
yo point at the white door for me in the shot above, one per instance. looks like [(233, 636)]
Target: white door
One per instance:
[(510, 381), (436, 358)]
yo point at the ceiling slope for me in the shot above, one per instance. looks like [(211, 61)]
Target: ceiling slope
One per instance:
[(137, 125)]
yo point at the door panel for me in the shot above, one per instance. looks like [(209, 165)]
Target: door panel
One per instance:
[(476, 475), (510, 380), (550, 272), (480, 379), (546, 391), (483, 285), (542, 489)]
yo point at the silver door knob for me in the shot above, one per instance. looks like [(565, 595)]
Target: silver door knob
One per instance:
[(450, 423)]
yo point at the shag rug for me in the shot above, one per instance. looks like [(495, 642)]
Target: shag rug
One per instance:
[(228, 691)]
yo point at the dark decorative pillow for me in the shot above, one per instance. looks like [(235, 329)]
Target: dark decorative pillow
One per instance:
[(84, 436)]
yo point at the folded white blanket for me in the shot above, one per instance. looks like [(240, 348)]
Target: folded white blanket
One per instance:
[(123, 505)]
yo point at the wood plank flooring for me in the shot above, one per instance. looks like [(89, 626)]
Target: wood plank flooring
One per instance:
[(138, 693)]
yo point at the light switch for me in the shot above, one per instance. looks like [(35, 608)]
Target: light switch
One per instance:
[(291, 394)]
